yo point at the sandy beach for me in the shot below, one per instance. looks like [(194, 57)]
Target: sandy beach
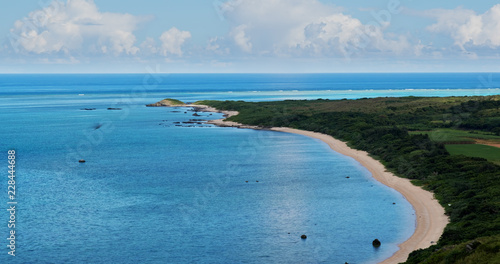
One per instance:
[(430, 217)]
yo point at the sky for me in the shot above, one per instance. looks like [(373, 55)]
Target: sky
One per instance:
[(254, 36)]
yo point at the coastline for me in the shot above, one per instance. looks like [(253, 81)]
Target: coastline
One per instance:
[(430, 215)]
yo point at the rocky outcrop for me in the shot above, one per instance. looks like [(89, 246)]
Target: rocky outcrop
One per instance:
[(167, 103)]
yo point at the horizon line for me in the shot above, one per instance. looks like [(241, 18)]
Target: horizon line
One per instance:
[(103, 73)]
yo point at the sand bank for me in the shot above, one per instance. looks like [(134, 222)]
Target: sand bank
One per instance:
[(430, 216)]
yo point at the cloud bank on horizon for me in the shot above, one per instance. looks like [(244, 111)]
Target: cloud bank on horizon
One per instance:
[(253, 32)]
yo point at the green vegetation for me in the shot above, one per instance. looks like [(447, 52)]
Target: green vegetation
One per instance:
[(168, 102), (474, 150), (446, 135), (381, 127), (174, 101), (480, 250)]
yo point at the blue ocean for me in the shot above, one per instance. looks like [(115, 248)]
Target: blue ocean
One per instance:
[(161, 186)]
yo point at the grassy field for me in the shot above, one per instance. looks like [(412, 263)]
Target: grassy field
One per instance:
[(455, 135), (475, 150)]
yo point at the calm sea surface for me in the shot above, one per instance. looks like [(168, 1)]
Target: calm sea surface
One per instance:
[(157, 190)]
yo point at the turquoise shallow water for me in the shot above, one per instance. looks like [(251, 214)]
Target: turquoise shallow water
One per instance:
[(157, 191)]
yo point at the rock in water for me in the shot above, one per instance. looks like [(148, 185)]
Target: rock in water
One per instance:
[(303, 236), (376, 243)]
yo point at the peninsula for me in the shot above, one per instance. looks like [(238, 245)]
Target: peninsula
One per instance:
[(421, 140)]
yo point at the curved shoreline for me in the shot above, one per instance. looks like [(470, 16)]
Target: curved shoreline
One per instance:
[(430, 215)]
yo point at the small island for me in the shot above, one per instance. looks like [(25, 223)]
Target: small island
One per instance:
[(167, 103)]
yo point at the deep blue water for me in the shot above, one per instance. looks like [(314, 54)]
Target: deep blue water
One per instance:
[(116, 83), (155, 191), (38, 84)]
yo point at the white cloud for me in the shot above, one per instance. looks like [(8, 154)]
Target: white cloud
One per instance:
[(213, 45), (172, 41), (76, 27), (304, 27), (218, 46), (149, 47), (467, 28), (329, 34), (241, 39)]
